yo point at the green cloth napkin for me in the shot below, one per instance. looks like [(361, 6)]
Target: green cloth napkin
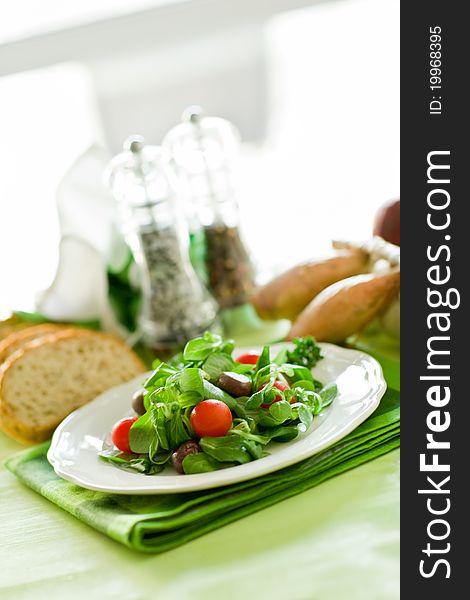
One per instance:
[(161, 522)]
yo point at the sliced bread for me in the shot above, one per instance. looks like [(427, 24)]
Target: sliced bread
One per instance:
[(16, 340), (46, 379), (12, 324)]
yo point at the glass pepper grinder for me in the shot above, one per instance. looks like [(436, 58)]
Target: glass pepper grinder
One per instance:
[(175, 304), (203, 149)]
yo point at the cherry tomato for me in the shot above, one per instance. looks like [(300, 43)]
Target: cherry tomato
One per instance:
[(280, 385), (249, 358), (120, 434), (211, 418)]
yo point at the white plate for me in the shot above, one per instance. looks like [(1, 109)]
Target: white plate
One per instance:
[(81, 436)]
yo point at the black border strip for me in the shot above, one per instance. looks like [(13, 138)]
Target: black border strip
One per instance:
[(422, 133)]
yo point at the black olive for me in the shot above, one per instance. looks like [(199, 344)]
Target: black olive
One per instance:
[(189, 447), (138, 402), (235, 384)]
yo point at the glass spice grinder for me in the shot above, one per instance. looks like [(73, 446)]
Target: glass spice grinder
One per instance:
[(175, 304), (203, 149)]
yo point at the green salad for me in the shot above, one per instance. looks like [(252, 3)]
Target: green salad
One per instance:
[(205, 409)]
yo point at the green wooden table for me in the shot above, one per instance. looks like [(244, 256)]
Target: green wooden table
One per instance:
[(339, 540)]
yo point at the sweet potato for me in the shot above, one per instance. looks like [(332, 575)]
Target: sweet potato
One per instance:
[(346, 307), (288, 294), (390, 319)]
